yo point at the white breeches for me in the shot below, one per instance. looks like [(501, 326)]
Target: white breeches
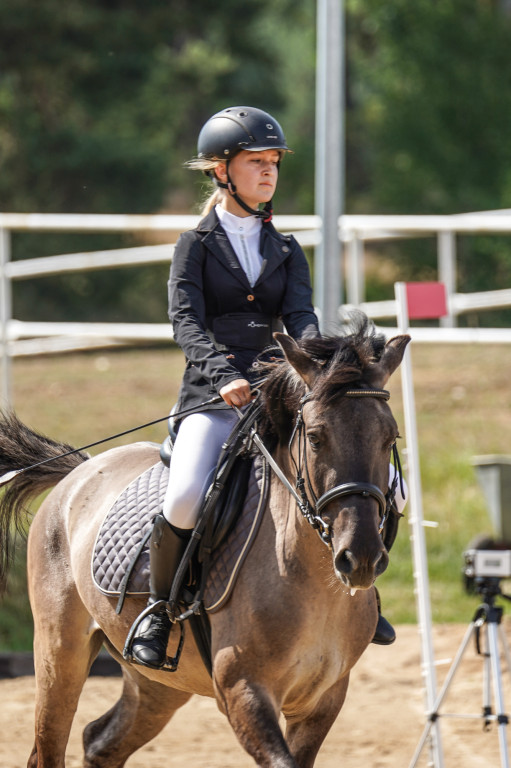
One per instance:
[(194, 459)]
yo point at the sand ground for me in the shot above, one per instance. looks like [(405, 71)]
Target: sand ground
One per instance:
[(379, 726)]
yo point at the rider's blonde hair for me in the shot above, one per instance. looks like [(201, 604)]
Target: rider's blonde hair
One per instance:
[(208, 165)]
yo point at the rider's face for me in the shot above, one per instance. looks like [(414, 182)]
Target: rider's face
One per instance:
[(254, 174)]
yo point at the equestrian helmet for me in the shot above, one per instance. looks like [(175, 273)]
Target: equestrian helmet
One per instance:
[(228, 132)]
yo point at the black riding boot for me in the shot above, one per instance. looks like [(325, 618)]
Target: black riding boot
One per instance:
[(149, 645), (384, 633)]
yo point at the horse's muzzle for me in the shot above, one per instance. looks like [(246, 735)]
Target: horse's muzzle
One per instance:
[(360, 571)]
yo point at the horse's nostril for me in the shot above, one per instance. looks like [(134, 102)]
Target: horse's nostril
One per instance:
[(381, 562), (345, 562)]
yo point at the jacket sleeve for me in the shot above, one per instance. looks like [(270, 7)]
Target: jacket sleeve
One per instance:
[(188, 316), (297, 309)]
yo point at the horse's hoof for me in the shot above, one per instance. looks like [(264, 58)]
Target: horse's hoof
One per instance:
[(149, 646), (384, 633)]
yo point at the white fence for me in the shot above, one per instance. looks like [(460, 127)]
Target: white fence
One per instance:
[(23, 338)]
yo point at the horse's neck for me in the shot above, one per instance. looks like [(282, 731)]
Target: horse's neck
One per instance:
[(292, 532)]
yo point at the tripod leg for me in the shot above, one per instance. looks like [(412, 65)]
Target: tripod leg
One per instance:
[(434, 715), (505, 645), (502, 718), (485, 653)]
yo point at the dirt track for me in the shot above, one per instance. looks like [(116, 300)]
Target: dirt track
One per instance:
[(379, 726)]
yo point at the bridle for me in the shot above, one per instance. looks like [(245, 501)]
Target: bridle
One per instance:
[(312, 510)]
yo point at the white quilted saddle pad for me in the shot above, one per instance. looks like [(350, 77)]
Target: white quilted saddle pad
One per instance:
[(129, 521)]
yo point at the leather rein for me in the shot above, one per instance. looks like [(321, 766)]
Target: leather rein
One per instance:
[(312, 511)]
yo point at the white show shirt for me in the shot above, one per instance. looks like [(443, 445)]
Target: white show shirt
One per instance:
[(244, 233)]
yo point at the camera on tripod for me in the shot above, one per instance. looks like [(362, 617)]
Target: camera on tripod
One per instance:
[(486, 563), (485, 568), (487, 559)]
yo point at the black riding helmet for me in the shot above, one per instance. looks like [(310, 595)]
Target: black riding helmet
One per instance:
[(240, 128)]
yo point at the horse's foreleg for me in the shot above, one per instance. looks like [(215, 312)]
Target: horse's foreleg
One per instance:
[(253, 717), (306, 736), (144, 708)]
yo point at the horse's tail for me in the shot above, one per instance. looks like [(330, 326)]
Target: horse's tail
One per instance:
[(20, 449)]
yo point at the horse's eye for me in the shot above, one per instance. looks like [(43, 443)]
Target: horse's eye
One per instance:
[(314, 441)]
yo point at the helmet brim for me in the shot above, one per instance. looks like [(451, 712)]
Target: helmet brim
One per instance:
[(264, 147)]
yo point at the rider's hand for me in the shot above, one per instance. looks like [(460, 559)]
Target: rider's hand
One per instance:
[(236, 393)]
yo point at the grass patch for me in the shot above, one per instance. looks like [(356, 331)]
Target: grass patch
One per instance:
[(15, 615), (463, 402)]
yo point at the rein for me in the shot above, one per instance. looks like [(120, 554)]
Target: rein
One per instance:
[(312, 512), (8, 476)]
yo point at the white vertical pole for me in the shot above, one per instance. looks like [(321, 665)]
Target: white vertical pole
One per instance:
[(5, 317), (329, 181), (416, 522), (355, 280), (447, 271)]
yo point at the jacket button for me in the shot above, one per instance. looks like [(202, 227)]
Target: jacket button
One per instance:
[(285, 249), (250, 297)]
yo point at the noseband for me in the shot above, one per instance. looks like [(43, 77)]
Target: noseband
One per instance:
[(312, 512)]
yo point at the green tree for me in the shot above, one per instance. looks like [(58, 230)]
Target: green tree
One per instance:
[(97, 99), (432, 87), (431, 105), (100, 105)]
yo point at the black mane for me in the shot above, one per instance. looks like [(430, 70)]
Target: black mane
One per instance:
[(345, 358)]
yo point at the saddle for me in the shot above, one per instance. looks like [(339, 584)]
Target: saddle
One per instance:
[(222, 538)]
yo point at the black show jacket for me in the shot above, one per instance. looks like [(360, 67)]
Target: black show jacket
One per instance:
[(207, 282)]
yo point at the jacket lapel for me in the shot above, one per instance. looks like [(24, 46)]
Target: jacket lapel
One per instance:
[(275, 249), (217, 242)]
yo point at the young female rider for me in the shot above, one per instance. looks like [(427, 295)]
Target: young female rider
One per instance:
[(234, 280)]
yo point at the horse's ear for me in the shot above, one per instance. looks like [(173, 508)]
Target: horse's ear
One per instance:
[(390, 360), (305, 367)]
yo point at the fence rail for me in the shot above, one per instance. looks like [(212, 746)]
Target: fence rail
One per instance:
[(25, 338)]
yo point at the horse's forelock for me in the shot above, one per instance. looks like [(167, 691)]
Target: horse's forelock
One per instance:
[(347, 365)]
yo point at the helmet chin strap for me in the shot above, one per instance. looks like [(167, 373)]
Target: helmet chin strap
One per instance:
[(265, 213)]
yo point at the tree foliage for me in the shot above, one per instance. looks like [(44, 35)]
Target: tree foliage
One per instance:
[(432, 87), (101, 100), (100, 105), (431, 101)]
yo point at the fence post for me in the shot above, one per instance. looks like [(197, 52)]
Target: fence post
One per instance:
[(447, 272), (356, 278), (5, 317)]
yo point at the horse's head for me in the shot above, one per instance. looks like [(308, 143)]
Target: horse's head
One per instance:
[(333, 414)]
